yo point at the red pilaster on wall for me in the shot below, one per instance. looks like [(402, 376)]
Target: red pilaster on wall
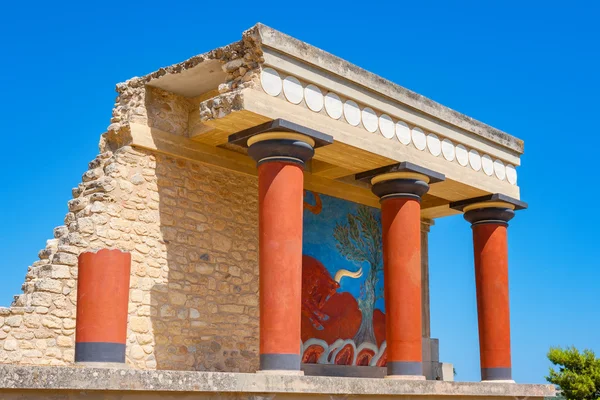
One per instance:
[(102, 303)]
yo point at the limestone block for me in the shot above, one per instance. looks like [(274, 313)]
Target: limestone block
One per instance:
[(14, 321), (231, 308), (78, 204), (49, 285), (60, 271), (52, 322), (136, 352), (86, 226), (68, 249), (45, 254), (32, 354), (92, 174), (65, 341), (32, 321), (98, 207), (10, 345), (68, 323), (60, 231), (68, 355), (139, 324)]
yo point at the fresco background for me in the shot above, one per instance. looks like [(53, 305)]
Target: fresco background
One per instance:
[(343, 311), (318, 241)]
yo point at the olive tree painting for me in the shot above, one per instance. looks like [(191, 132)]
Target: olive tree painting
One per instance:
[(359, 240), (343, 312)]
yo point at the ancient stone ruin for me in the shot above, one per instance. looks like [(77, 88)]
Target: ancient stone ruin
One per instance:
[(334, 173)]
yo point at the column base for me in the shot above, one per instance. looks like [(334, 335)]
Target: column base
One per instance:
[(496, 374), (499, 381), (279, 372), (406, 377)]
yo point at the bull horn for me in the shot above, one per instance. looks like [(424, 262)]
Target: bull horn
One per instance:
[(344, 272)]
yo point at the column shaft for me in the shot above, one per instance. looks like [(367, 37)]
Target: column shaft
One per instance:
[(402, 279), (102, 303), (491, 275), (280, 186)]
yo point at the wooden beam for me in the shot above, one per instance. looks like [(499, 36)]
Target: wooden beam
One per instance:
[(326, 170), (215, 132)]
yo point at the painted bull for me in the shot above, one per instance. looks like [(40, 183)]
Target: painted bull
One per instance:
[(331, 319)]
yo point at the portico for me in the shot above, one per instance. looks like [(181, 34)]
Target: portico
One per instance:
[(268, 205)]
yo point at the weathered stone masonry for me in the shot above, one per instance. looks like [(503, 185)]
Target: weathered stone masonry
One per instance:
[(169, 187), (191, 229), (192, 233)]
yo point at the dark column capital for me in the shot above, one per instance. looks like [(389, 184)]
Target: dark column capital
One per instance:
[(280, 140), (402, 180), (491, 209), (286, 148), (490, 215), (406, 187)]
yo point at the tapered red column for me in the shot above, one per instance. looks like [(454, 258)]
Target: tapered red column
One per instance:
[(281, 159), (489, 223), (400, 192), (102, 303)]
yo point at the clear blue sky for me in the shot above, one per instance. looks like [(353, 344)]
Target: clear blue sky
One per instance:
[(529, 68)]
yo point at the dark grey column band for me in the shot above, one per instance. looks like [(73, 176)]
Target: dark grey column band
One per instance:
[(491, 215), (496, 374), (289, 362), (404, 188), (289, 150), (405, 368), (99, 352)]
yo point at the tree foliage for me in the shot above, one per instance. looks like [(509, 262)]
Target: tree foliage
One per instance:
[(578, 373), (359, 240)]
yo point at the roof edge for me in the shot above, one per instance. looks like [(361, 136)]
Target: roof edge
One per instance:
[(310, 54)]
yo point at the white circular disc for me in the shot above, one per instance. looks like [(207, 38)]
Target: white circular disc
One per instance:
[(386, 126), (270, 81), (403, 132), (418, 138), (333, 105), (434, 145), (448, 149), (462, 155), (488, 165), (352, 112), (511, 174), (500, 170), (313, 97), (292, 89), (475, 159), (369, 119)]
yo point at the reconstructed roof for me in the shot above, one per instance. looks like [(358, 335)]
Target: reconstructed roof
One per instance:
[(181, 79), (191, 109)]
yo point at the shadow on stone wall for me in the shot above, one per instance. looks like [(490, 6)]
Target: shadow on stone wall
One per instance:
[(204, 306)]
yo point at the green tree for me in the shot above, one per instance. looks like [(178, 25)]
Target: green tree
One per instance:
[(578, 373), (359, 240)]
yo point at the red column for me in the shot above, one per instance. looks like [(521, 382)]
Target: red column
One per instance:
[(280, 191), (102, 303), (400, 192), (491, 276), (280, 157), (401, 223)]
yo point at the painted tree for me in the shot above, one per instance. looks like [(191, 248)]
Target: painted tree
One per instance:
[(359, 240), (578, 374)]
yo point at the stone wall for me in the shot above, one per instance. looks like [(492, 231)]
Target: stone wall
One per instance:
[(192, 233)]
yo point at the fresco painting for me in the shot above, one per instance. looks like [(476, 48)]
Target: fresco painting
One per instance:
[(343, 312)]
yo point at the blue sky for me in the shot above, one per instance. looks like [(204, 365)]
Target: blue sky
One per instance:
[(528, 68)]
